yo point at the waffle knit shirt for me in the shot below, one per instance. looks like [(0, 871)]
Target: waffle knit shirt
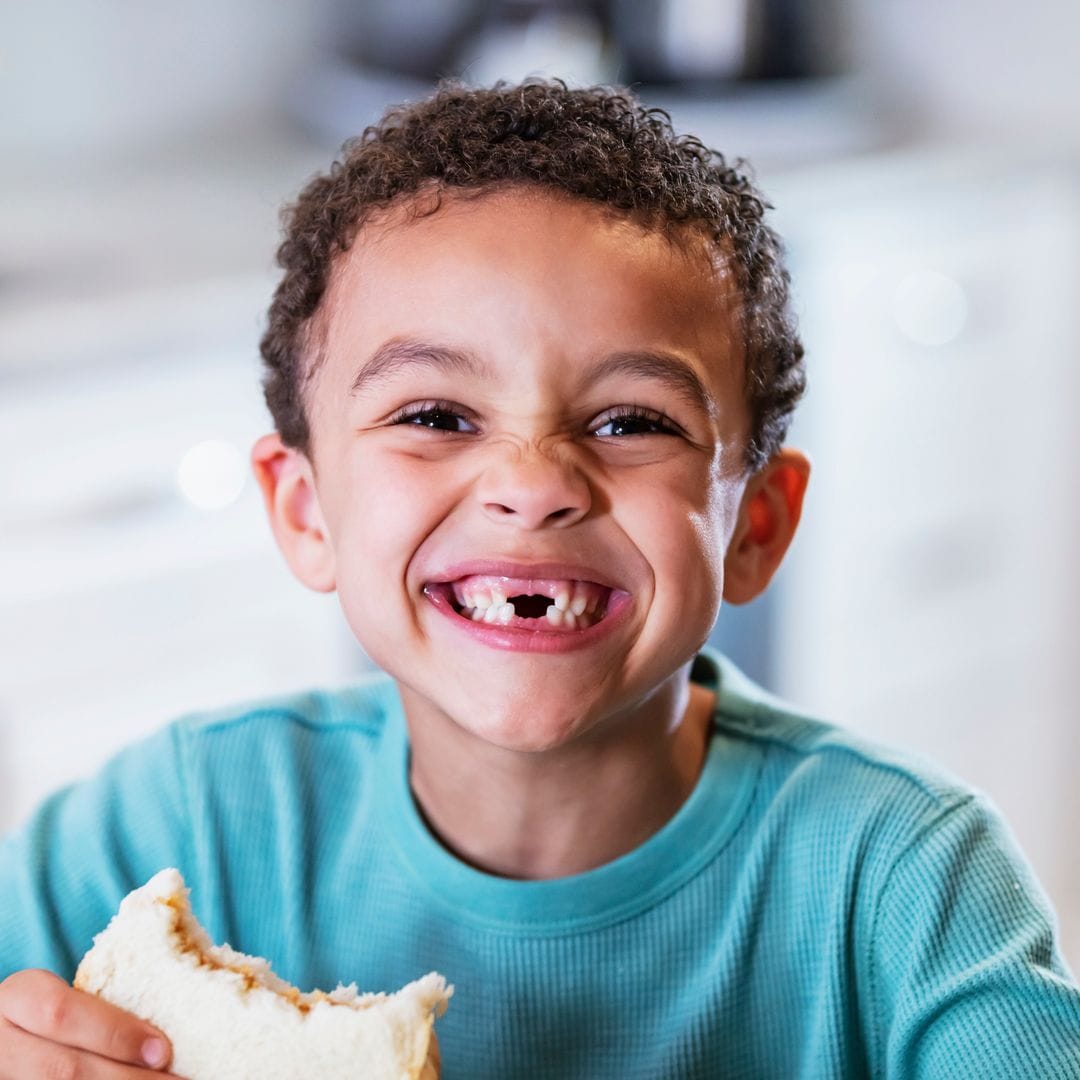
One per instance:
[(818, 907)]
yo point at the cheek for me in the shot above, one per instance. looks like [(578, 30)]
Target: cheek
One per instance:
[(684, 535), (374, 521), (710, 525), (390, 505), (392, 501), (708, 583)]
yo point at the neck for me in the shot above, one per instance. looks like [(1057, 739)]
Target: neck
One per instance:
[(551, 814)]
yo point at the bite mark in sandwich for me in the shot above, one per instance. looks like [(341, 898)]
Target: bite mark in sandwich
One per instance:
[(229, 1017)]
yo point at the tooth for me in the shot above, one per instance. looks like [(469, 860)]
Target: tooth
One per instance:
[(491, 614), (570, 619), (579, 603), (562, 598), (498, 597), (467, 600), (554, 615), (476, 615), (482, 599), (506, 613)]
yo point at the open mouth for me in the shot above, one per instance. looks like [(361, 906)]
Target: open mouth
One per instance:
[(548, 605)]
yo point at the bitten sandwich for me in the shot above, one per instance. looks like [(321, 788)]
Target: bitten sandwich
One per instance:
[(229, 1017)]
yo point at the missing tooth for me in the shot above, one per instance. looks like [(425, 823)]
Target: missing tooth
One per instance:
[(530, 607)]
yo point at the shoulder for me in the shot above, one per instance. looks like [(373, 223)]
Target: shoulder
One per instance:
[(833, 795), (285, 745), (892, 837), (807, 749), (361, 707), (909, 882)]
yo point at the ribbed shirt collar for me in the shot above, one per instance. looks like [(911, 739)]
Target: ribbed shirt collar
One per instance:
[(618, 890)]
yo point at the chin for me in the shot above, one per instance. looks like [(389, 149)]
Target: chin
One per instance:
[(523, 728)]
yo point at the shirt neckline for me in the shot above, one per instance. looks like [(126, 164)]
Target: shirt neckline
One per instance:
[(618, 890)]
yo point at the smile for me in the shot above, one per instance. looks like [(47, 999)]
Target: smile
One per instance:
[(540, 604), (529, 609)]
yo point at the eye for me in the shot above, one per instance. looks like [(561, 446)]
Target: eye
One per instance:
[(436, 415), (634, 420)]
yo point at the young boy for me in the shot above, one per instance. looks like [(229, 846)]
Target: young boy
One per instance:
[(531, 368)]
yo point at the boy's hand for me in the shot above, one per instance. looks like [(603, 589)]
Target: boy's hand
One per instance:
[(49, 1029)]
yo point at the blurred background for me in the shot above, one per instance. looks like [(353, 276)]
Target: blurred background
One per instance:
[(923, 159)]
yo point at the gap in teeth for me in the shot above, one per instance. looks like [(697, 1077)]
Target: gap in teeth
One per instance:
[(528, 605)]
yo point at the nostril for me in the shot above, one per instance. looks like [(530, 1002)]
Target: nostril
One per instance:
[(553, 515)]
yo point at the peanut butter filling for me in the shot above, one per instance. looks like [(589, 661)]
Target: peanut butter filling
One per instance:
[(180, 918)]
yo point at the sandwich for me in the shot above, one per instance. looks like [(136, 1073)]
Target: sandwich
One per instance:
[(229, 1017)]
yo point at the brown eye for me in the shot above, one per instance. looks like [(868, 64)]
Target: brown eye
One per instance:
[(435, 416), (634, 421)]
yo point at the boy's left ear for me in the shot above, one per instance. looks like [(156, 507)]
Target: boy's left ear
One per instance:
[(768, 516)]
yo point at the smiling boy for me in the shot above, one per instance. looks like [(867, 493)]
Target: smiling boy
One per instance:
[(529, 408), (531, 368)]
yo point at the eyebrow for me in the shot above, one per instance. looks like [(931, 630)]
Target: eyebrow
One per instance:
[(661, 367), (398, 354)]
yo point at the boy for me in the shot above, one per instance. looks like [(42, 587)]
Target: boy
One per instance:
[(531, 368)]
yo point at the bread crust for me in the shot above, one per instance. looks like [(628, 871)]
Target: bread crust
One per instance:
[(229, 1017), (432, 1069)]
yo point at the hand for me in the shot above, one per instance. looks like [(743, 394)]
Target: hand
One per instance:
[(49, 1029)]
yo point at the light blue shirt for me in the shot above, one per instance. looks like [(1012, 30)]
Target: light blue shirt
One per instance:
[(819, 907)]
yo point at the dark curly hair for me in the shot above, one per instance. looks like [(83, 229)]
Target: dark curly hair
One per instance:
[(599, 144)]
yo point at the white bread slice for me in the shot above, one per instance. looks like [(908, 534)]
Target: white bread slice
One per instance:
[(229, 1017)]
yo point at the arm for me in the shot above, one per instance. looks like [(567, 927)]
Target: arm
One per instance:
[(965, 976)]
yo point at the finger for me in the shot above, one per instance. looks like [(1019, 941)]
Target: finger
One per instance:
[(42, 1004), (24, 1055)]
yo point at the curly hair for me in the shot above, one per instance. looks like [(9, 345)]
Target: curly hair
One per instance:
[(599, 144)]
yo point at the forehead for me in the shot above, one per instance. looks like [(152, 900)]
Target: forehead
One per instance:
[(529, 269)]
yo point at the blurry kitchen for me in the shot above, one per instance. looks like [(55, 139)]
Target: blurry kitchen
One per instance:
[(924, 160)]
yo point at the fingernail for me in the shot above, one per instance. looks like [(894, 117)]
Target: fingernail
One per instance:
[(154, 1053)]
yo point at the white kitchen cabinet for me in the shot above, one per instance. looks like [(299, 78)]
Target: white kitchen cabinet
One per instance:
[(931, 597)]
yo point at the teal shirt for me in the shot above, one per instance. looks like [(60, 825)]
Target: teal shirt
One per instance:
[(819, 907)]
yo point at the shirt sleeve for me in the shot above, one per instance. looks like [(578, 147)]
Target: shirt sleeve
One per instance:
[(64, 873), (966, 977)]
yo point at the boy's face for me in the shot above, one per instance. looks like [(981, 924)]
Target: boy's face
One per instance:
[(526, 395)]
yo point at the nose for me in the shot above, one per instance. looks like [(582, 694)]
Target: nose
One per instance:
[(533, 490)]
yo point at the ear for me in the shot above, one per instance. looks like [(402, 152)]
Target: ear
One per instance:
[(287, 480), (768, 516)]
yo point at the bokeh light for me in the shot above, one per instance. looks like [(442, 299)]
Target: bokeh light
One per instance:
[(930, 308), (211, 475)]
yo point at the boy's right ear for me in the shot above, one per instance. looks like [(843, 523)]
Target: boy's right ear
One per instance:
[(287, 481)]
